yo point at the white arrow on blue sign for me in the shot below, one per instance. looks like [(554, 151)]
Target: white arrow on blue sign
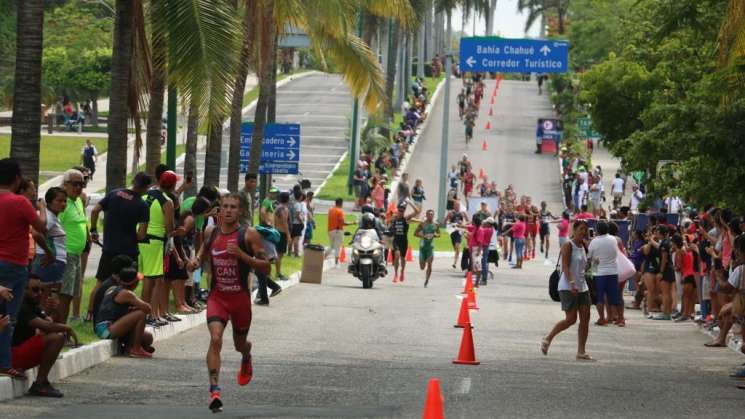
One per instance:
[(280, 151), (495, 54)]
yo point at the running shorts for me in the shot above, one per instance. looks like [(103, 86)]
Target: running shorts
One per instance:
[(235, 307), (150, 261)]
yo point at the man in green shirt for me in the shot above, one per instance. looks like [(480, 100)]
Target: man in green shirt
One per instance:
[(75, 224), (267, 207), (427, 231), (248, 199)]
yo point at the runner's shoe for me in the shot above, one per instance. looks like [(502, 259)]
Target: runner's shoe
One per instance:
[(215, 402), (401, 278), (246, 372)]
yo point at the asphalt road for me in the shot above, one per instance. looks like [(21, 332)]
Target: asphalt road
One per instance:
[(509, 157), (336, 351)]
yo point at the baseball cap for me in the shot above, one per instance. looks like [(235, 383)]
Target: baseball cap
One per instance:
[(273, 190), (168, 179)]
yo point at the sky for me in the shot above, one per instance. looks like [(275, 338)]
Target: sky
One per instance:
[(508, 22)]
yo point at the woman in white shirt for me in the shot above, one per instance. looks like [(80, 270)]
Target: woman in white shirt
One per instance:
[(573, 291)]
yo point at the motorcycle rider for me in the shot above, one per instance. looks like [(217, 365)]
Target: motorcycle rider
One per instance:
[(369, 226)]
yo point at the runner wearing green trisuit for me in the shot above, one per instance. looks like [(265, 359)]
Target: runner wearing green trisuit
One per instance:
[(427, 232)]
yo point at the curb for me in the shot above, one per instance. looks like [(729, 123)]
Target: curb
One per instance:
[(77, 360), (405, 161)]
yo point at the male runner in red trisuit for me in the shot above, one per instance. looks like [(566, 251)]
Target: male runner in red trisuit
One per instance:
[(229, 259)]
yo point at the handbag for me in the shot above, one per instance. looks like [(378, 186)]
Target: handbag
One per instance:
[(553, 282), (626, 268)]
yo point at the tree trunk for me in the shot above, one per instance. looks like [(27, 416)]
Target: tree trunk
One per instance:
[(190, 157), (420, 53), (267, 53), (562, 15), (489, 15), (390, 73), (94, 111), (138, 146), (26, 124), (400, 74), (212, 156), (155, 114), (236, 112), (116, 163)]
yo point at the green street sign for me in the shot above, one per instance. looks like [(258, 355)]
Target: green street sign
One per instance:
[(584, 125)]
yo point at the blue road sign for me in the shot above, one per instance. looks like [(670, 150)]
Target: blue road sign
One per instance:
[(280, 151), (494, 54)]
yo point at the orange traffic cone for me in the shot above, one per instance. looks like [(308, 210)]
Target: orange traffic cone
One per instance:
[(409, 255), (466, 354), (464, 317), (481, 173), (484, 147), (433, 406), (343, 255), (488, 124), (469, 283), (491, 111), (471, 297)]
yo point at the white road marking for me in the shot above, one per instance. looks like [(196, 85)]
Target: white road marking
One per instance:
[(465, 386)]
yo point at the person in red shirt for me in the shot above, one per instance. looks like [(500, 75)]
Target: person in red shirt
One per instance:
[(468, 179), (518, 235), (584, 215), (230, 259), (17, 215)]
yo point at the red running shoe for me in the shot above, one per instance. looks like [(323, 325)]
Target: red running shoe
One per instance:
[(215, 402), (246, 372)]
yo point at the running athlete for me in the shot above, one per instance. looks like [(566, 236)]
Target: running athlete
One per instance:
[(461, 104), (230, 253), (545, 232), (455, 219), (400, 229), (427, 231), (470, 123)]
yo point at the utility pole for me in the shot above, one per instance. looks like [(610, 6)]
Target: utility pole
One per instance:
[(355, 140), (442, 197)]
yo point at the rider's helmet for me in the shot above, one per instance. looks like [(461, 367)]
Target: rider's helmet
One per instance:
[(368, 221)]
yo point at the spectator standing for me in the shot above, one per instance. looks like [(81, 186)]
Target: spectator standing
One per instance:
[(248, 199), (89, 157), (573, 291), (417, 193), (297, 222), (18, 215), (636, 197), (403, 191), (603, 251), (126, 221), (51, 255), (336, 223), (310, 217), (518, 230), (485, 233), (455, 220), (32, 349), (617, 189), (75, 225), (378, 194), (282, 224)]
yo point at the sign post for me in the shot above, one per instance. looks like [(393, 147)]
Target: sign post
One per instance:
[(494, 54), (280, 152)]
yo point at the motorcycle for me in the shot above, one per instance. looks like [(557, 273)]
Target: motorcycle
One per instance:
[(367, 262)]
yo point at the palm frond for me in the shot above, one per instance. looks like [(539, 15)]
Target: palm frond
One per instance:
[(204, 48), (732, 34)]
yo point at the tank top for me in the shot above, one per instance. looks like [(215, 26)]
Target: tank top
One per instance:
[(156, 226), (226, 275), (577, 262), (426, 230), (687, 268), (400, 228), (456, 217), (545, 217), (110, 310)]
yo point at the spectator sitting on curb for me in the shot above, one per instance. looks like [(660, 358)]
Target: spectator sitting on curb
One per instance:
[(32, 349), (122, 315)]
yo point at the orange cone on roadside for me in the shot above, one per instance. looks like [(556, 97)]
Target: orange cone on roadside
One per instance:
[(434, 405), (469, 283), (484, 147), (464, 317), (488, 124), (343, 255), (481, 173), (409, 255), (491, 111), (471, 297), (467, 353)]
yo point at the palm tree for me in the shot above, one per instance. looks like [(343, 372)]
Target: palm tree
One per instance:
[(157, 92), (329, 25), (190, 155), (26, 125), (538, 8), (236, 111), (116, 163), (732, 35)]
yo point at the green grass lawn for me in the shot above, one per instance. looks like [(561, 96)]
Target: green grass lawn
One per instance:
[(57, 153)]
